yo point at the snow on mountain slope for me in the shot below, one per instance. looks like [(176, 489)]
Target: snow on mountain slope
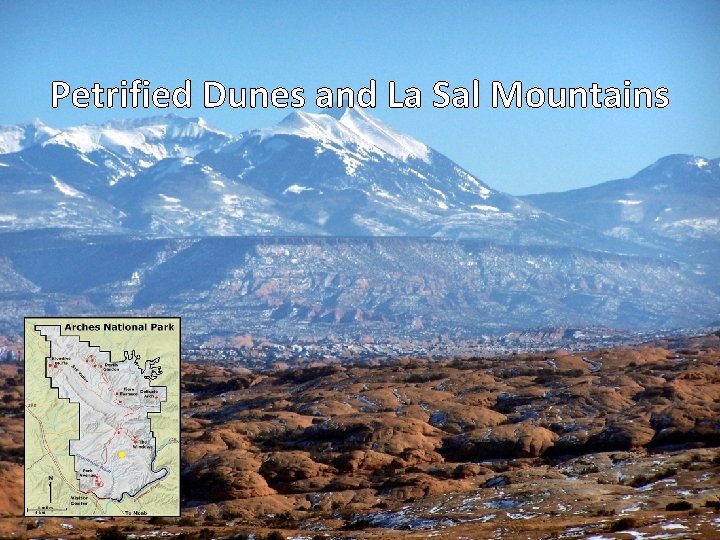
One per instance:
[(144, 141), (19, 137), (384, 136), (181, 197), (43, 200)]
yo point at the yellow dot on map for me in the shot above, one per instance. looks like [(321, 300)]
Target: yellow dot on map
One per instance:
[(121, 454)]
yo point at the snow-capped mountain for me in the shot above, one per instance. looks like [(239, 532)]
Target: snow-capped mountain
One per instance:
[(64, 178), (675, 199), (341, 173), (344, 173)]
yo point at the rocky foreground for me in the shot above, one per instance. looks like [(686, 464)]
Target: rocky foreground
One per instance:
[(619, 443)]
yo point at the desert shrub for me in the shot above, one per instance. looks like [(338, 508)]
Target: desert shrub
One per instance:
[(545, 376), (230, 515), (239, 536), (678, 506), (14, 454), (186, 521), (425, 377), (203, 534), (284, 520), (640, 480), (645, 479), (358, 524), (623, 524), (111, 533), (299, 376)]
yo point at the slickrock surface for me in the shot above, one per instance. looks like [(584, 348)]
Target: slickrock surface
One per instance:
[(608, 444)]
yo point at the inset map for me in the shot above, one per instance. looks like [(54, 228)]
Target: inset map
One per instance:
[(102, 416)]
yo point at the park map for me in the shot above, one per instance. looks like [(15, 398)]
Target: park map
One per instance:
[(102, 423)]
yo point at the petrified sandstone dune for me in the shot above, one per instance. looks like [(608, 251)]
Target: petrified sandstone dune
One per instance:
[(338, 428)]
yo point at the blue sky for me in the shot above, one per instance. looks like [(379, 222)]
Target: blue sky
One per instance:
[(312, 44)]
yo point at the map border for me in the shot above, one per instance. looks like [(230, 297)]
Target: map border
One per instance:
[(179, 445)]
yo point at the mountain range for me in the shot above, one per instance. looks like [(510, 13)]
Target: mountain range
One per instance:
[(125, 217)]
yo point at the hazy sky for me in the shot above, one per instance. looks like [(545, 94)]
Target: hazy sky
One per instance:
[(312, 44)]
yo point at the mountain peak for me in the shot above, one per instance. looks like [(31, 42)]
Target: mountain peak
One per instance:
[(678, 166), (18, 137), (351, 112), (341, 126), (336, 112)]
